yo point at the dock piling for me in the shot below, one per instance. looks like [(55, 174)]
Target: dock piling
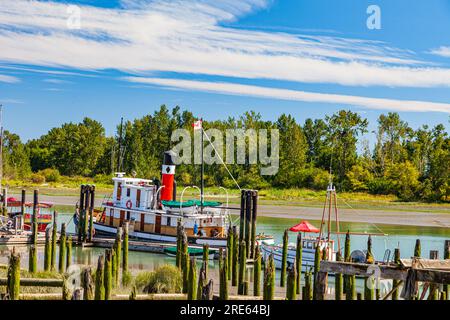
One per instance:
[(298, 262), (257, 272), (192, 287), (47, 250), (291, 283), (269, 279), (242, 266), (54, 238), (69, 252), (62, 249), (108, 274), (99, 280), (13, 286), (284, 259)]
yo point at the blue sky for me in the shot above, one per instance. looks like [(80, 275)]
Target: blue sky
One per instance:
[(221, 58)]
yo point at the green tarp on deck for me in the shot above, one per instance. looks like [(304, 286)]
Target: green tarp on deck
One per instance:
[(190, 203)]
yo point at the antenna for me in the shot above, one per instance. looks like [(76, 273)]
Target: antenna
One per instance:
[(1, 146), (120, 153)]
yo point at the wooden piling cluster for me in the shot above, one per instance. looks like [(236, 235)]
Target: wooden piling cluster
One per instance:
[(86, 213), (248, 216), (408, 272)]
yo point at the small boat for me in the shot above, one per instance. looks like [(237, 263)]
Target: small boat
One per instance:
[(264, 238), (193, 252), (308, 252), (44, 211)]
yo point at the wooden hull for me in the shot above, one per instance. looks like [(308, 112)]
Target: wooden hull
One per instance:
[(109, 231)]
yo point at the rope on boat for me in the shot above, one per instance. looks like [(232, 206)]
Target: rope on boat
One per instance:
[(221, 160)]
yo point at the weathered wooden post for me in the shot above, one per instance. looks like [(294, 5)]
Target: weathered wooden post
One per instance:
[(34, 223), (235, 264), (253, 218), (395, 283), (349, 280), (338, 280), (369, 282), (298, 262), (248, 222), (242, 266), (66, 293), (317, 257), (269, 279), (69, 252), (446, 287), (54, 238), (192, 287), (87, 284), (13, 282), (434, 288), (99, 280), (223, 293), (47, 251), (307, 289), (114, 255), (178, 255), (242, 216), (32, 259), (417, 249), (230, 245), (22, 208), (62, 249), (133, 293), (108, 274), (91, 214), (291, 283), (125, 248), (118, 248), (284, 259), (257, 272), (87, 202), (185, 264), (206, 258), (80, 213)]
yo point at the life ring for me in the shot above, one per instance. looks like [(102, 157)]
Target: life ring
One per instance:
[(129, 204)]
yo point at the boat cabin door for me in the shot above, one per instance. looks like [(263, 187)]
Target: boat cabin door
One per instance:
[(158, 223)]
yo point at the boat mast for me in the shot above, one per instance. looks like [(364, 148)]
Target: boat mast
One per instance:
[(1, 146), (202, 185)]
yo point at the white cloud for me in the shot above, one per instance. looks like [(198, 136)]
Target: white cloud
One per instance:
[(294, 95), (8, 79), (186, 36), (56, 81), (442, 51)]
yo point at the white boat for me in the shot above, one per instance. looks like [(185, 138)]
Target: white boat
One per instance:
[(153, 213), (308, 252)]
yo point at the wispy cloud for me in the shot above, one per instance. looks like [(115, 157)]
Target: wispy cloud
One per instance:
[(186, 36), (56, 81), (10, 101), (8, 79), (441, 51), (294, 95)]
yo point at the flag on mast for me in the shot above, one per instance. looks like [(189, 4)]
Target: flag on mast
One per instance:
[(197, 125)]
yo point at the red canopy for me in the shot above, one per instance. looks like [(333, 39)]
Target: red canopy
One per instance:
[(304, 226)]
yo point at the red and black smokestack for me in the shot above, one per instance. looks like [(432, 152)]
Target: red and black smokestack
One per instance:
[(168, 177)]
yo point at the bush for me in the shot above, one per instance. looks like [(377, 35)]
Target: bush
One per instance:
[(165, 279), (51, 175), (103, 179), (37, 178), (380, 186)]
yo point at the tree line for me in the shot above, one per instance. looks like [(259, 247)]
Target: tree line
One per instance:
[(413, 164)]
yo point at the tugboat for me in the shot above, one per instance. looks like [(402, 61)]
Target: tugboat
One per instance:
[(153, 213)]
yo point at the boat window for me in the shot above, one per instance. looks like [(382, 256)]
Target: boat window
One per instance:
[(128, 215), (128, 192), (309, 245), (119, 190), (168, 221)]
